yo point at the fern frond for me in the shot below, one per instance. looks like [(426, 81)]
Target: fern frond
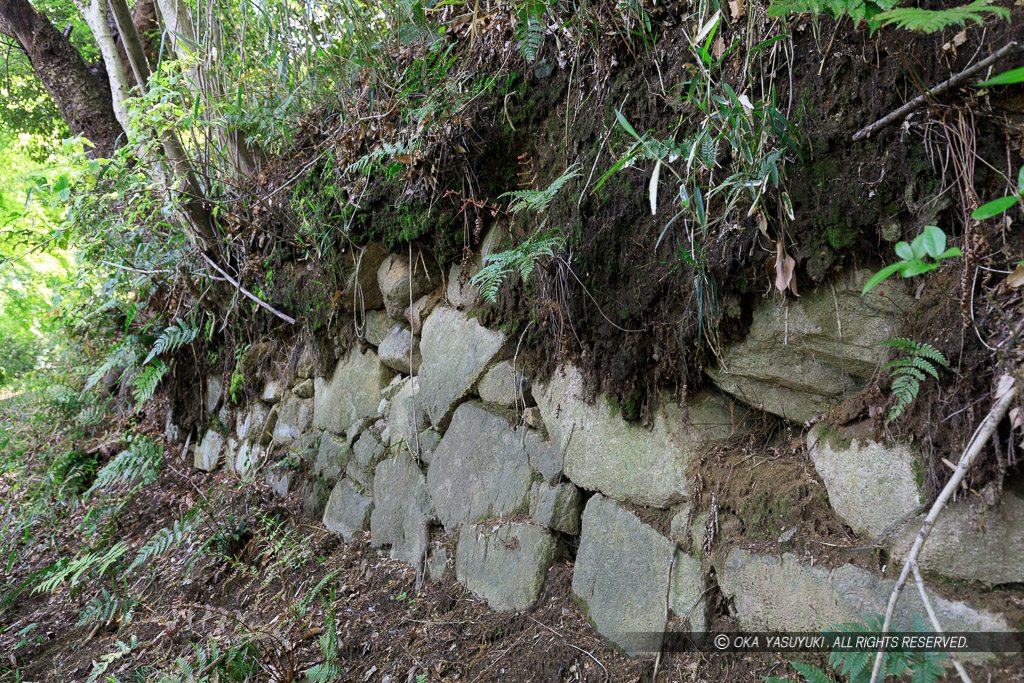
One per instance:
[(521, 259), (163, 540), (125, 354), (538, 200), (172, 339), (105, 608), (811, 672), (910, 370), (123, 649), (933, 21), (145, 382), (139, 463), (73, 570)]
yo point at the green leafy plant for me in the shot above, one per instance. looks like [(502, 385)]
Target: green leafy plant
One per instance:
[(922, 667), (85, 564), (522, 260), (330, 668), (914, 256), (107, 607), (887, 12), (163, 540), (138, 465), (997, 206), (539, 200), (529, 33), (910, 370)]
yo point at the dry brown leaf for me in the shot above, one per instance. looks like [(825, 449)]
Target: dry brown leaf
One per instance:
[(784, 267), (738, 9), (1016, 278), (719, 48), (762, 223)]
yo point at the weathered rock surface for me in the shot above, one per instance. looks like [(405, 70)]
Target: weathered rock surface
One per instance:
[(207, 454), (542, 453), (460, 293), (306, 363), (213, 391), (273, 391), (406, 415), (332, 458), (347, 512), (377, 326), (293, 421), (244, 459), (360, 477), (401, 509), (456, 350), (304, 389), (502, 385), (248, 422), (623, 460), (686, 596), (352, 392), (558, 507), (801, 357), (280, 480), (395, 350), (773, 594), (394, 277), (315, 495), (973, 543), (362, 291), (622, 577), (870, 485), (506, 566), (479, 470), (368, 450)]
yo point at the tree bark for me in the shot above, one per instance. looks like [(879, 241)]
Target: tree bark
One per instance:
[(86, 107)]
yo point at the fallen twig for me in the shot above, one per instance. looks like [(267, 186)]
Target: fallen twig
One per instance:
[(246, 292), (981, 437), (913, 104)]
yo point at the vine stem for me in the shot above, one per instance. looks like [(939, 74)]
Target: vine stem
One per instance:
[(913, 104), (981, 437)]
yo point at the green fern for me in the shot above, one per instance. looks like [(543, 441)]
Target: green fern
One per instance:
[(910, 370), (72, 571), (138, 464), (529, 33), (539, 200), (933, 21), (810, 672), (105, 608), (125, 354), (146, 380), (172, 339), (123, 649), (521, 260), (330, 668), (163, 540)]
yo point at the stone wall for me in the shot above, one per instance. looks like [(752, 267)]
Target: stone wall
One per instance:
[(426, 430)]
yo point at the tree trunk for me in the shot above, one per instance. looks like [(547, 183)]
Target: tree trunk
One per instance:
[(85, 106)]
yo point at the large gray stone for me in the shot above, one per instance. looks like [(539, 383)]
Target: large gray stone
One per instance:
[(770, 593), (686, 596), (293, 421), (245, 459), (870, 484), (207, 454), (401, 512), (361, 289), (801, 357), (360, 477), (213, 391), (623, 460), (248, 422), (460, 293), (971, 542), (398, 348), (503, 385), (405, 413), (376, 326), (394, 277), (456, 350), (368, 450), (504, 564), (273, 391), (331, 458), (347, 512), (543, 454), (304, 389), (557, 507), (306, 363), (479, 470), (352, 392), (623, 575)]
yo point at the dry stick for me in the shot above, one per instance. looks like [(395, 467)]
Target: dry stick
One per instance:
[(936, 625), (984, 431), (913, 104), (246, 292)]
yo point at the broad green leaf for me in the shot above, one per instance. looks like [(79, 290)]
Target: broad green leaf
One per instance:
[(934, 240), (994, 208), (918, 246), (916, 268), (880, 276), (952, 251), (1005, 78), (904, 251), (1020, 180), (625, 124)]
